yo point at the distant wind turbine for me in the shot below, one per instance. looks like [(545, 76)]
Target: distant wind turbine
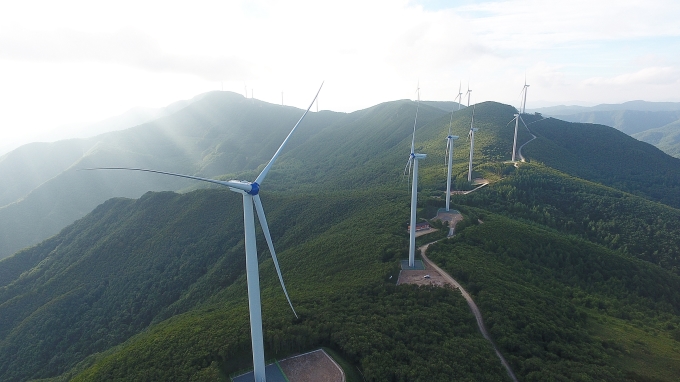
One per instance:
[(471, 136), (250, 193), (412, 163), (518, 117), (459, 97), (468, 94), (449, 151)]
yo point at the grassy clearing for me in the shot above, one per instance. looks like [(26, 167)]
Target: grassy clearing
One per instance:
[(643, 355)]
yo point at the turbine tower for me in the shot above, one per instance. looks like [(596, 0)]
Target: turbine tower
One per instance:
[(524, 90), (459, 97), (250, 193), (471, 136), (449, 151), (413, 163), (468, 94), (518, 116)]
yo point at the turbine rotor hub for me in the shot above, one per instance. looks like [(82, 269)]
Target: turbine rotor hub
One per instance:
[(255, 189)]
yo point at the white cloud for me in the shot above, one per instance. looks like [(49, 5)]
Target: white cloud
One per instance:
[(127, 47), (667, 76), (367, 51)]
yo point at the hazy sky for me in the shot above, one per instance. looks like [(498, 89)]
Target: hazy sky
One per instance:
[(73, 61)]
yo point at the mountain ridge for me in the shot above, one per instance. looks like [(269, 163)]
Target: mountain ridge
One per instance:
[(153, 288)]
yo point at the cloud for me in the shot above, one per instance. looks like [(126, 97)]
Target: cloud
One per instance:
[(126, 47), (664, 76), (536, 23)]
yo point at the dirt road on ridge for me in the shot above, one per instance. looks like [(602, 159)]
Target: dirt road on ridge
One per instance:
[(471, 304)]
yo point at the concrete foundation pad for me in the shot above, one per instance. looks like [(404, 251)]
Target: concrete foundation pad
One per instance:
[(417, 264)]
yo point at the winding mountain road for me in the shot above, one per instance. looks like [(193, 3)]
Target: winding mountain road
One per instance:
[(521, 157), (471, 304)]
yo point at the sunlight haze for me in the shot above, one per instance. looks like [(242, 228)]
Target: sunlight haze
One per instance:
[(71, 62)]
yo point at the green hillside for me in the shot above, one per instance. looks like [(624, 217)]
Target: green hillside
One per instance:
[(666, 138), (47, 192), (550, 302), (602, 215), (572, 260), (604, 155)]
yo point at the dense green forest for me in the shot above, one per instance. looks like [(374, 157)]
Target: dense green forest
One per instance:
[(615, 219), (572, 259), (602, 154), (548, 300)]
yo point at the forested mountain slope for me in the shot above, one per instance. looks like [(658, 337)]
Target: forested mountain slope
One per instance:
[(604, 155), (132, 263), (576, 280), (666, 138), (218, 134)]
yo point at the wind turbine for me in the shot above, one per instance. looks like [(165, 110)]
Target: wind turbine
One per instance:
[(449, 151), (518, 116), (250, 193), (468, 94), (471, 136), (413, 163), (460, 97)]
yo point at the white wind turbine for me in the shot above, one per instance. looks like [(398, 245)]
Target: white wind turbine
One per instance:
[(518, 116), (449, 152), (250, 192), (413, 163), (459, 97), (468, 94), (471, 136)]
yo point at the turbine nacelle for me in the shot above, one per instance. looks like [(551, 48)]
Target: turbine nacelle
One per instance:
[(243, 186)]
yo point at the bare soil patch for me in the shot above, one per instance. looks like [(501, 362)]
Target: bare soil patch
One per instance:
[(316, 366), (417, 277), (452, 217), (425, 232)]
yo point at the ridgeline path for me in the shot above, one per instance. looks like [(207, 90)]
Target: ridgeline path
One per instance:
[(521, 157), (471, 304)]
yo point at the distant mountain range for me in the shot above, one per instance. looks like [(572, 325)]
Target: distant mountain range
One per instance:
[(651, 122), (630, 105), (667, 138)]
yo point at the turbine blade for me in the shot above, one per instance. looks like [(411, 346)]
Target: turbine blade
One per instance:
[(260, 178), (407, 163), (238, 185), (265, 229), (472, 121), (407, 170), (525, 125), (446, 152)]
